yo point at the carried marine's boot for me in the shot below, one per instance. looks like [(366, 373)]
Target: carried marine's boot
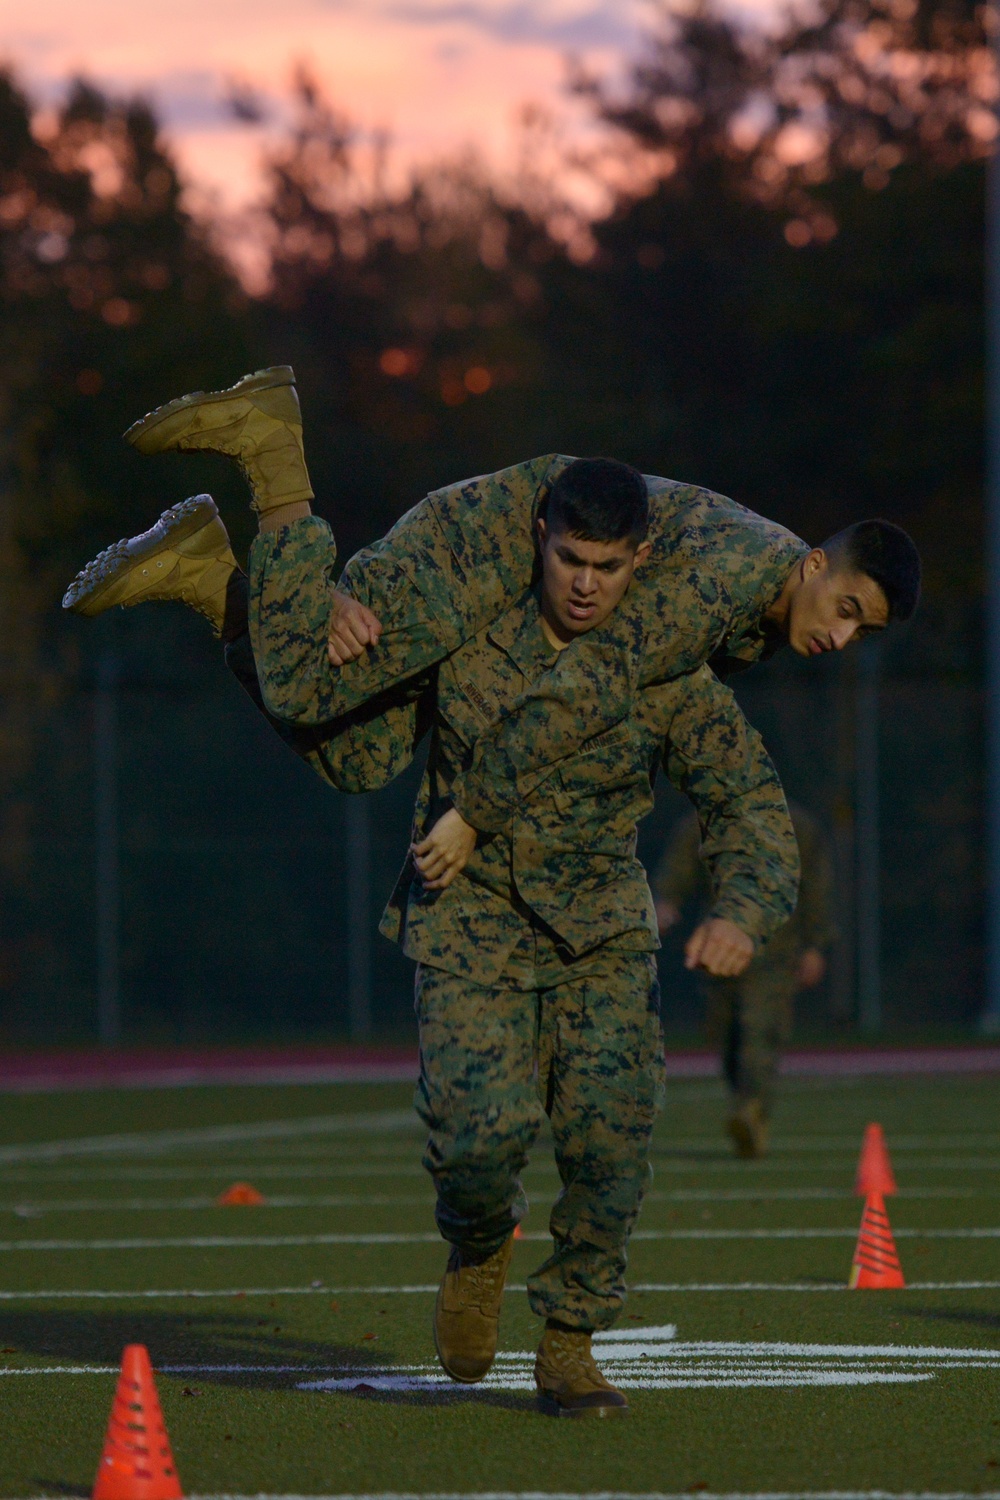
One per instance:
[(569, 1382), (257, 422), (749, 1130), (467, 1314), (185, 556)]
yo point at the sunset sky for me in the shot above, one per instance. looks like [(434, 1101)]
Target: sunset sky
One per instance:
[(436, 73)]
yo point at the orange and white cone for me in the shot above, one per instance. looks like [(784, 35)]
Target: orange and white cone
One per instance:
[(137, 1463), (875, 1263)]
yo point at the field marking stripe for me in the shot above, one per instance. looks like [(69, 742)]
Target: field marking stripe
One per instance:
[(798, 1494), (99, 1294), (695, 1357), (279, 1241), (32, 1207), (28, 1208), (154, 1141), (429, 1288)]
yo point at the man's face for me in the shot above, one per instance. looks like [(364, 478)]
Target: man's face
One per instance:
[(582, 582), (833, 606)]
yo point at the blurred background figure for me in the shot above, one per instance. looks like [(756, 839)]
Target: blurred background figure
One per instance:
[(750, 1018)]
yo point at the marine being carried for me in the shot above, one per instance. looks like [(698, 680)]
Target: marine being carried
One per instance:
[(554, 677), (718, 584)]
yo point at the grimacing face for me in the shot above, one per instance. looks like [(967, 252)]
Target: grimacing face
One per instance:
[(832, 606), (582, 582)]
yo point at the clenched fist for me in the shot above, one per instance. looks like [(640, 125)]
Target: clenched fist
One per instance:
[(353, 629), (720, 948)]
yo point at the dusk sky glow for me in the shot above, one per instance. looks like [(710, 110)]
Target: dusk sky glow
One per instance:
[(437, 74)]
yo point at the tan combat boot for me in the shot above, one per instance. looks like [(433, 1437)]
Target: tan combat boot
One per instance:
[(569, 1382), (749, 1130), (257, 422), (467, 1314), (185, 556)]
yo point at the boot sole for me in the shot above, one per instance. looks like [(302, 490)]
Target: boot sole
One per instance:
[(261, 380), (93, 581), (550, 1407)]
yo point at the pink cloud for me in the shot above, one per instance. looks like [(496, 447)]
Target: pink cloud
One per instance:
[(437, 74)]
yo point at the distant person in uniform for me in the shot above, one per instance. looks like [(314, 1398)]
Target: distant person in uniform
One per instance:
[(750, 1018)]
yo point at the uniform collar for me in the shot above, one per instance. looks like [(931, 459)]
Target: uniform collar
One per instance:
[(750, 637), (519, 633)]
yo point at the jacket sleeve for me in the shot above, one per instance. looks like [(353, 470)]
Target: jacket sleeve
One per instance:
[(747, 840)]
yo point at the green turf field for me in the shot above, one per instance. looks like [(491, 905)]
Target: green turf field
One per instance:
[(777, 1380)]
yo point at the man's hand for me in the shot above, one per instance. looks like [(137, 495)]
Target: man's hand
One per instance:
[(812, 967), (720, 947), (446, 850), (353, 628), (667, 915)]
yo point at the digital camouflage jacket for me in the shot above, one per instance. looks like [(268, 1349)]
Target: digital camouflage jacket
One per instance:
[(567, 855), (470, 551)]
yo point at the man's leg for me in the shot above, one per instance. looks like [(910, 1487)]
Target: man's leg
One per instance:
[(186, 559), (359, 752), (601, 1065), (408, 579), (411, 579), (762, 1023), (477, 1096)]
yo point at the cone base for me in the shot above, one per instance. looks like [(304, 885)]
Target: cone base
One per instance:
[(863, 1279)]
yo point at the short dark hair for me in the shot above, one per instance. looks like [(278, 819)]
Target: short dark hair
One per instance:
[(887, 555), (599, 500)]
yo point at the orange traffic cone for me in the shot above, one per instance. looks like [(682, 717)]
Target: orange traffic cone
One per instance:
[(137, 1463), (240, 1195), (518, 1232), (874, 1173), (875, 1263)]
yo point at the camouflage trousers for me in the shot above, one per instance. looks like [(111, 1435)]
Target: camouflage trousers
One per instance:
[(579, 1042), (750, 1020), (408, 579)]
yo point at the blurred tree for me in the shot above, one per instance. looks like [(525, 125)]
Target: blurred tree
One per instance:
[(412, 311), (113, 300)]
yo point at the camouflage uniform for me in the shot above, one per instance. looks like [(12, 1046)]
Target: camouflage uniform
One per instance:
[(536, 988), (750, 1018), (462, 557)]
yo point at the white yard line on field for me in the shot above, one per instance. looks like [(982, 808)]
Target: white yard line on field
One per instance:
[(430, 1288), (34, 1207), (282, 1241), (155, 1142), (29, 1209), (637, 1495), (640, 1360)]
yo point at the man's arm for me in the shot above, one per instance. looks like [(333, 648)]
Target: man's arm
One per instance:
[(747, 840), (815, 916)]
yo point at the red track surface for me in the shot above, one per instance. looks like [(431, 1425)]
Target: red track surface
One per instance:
[(41, 1072)]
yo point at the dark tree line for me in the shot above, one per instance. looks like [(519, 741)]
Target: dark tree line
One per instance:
[(786, 304)]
